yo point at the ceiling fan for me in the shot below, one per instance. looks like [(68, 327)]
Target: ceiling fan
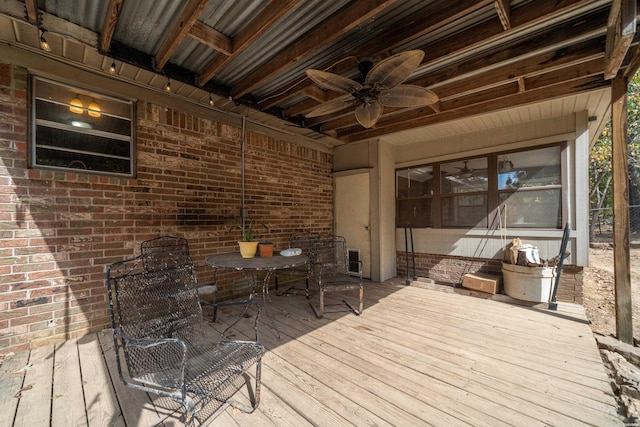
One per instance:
[(382, 87), (465, 171)]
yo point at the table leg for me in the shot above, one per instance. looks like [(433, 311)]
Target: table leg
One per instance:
[(253, 278)]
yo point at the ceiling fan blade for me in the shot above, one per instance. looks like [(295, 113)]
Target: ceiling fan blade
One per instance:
[(368, 114), (407, 96), (331, 107), (392, 71), (333, 81)]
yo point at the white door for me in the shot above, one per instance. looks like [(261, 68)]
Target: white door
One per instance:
[(352, 215)]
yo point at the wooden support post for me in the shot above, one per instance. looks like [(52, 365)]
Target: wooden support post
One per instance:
[(624, 322)]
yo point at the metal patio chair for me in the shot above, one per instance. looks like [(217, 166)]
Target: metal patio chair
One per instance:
[(331, 270), (291, 278), (170, 251), (163, 346)]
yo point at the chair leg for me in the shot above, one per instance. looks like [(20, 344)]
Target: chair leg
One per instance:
[(319, 313)]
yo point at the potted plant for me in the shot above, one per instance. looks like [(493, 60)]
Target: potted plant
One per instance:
[(248, 246), (265, 248)]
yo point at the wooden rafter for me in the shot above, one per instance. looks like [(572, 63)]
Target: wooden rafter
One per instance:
[(534, 67), (507, 97), (422, 23), (432, 19), (109, 24), (32, 11), (504, 13), (352, 15), (621, 28), (256, 28), (634, 62), (174, 37), (210, 37)]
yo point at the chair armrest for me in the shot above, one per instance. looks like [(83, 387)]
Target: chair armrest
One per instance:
[(148, 343)]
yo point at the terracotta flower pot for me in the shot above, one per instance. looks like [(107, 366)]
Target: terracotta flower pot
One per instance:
[(248, 249), (266, 249)]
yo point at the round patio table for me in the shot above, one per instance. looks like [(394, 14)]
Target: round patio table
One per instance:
[(248, 266)]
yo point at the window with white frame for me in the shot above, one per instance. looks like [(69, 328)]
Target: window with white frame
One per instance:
[(78, 129), (524, 187)]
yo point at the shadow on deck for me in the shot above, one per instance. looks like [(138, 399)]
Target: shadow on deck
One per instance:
[(414, 357)]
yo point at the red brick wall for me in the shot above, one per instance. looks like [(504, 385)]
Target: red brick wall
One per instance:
[(59, 230), (451, 269)]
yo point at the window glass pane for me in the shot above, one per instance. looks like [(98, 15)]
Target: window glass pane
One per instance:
[(534, 168), (532, 208), (464, 211), (416, 212), (464, 176), (414, 182), (77, 129)]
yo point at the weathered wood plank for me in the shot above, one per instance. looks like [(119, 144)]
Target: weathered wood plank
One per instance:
[(11, 381), (136, 406), (414, 357), (100, 398), (67, 407), (621, 263), (35, 404)]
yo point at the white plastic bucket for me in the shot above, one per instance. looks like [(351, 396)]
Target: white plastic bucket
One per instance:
[(528, 283)]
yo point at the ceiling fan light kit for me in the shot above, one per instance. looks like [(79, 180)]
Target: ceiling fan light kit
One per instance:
[(382, 87)]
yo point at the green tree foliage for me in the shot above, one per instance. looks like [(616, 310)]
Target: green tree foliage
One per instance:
[(600, 178)]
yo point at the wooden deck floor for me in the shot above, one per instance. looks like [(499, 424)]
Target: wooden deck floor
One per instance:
[(415, 357)]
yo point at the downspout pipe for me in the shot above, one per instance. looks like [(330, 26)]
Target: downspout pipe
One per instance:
[(243, 210)]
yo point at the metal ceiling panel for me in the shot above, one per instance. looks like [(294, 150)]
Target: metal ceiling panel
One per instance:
[(143, 25), (86, 13)]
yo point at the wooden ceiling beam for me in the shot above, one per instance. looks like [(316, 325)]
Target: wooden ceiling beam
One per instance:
[(32, 11), (577, 72), (474, 105), (452, 96), (422, 23), (504, 13), (634, 62), (531, 67), (109, 24), (432, 19), (621, 29), (210, 37), (174, 37), (352, 15), (268, 17)]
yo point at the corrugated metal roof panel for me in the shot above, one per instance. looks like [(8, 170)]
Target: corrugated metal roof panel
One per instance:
[(86, 13), (307, 15), (143, 25)]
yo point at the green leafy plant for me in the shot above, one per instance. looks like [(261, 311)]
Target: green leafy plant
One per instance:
[(249, 230)]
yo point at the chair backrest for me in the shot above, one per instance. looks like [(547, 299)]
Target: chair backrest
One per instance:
[(152, 303), (164, 252), (304, 241), (330, 253)]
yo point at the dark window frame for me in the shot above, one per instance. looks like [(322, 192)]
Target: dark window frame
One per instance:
[(101, 143), (493, 192)]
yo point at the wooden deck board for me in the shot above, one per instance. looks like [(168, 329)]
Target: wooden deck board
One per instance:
[(67, 387), (35, 403), (414, 357), (11, 381), (100, 399)]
